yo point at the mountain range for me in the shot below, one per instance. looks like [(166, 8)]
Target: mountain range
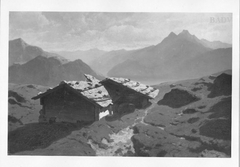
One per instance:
[(32, 65), (20, 52), (48, 71), (177, 57)]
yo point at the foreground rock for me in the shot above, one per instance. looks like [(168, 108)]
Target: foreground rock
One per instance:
[(222, 85)]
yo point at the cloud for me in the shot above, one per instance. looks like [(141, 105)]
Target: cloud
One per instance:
[(86, 30), (27, 20)]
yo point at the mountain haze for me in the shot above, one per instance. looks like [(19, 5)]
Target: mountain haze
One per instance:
[(108, 60), (87, 56), (179, 56)]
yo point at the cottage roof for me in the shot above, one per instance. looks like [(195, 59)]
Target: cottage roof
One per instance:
[(92, 89), (136, 86)]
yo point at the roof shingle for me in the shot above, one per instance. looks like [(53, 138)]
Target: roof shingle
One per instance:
[(137, 86)]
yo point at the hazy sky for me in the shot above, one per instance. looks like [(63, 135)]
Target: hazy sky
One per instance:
[(54, 31)]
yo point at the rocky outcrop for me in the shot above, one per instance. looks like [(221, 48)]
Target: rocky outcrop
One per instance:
[(222, 85), (20, 104), (177, 98), (15, 95)]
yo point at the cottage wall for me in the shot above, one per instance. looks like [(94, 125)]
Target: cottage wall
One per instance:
[(66, 106), (113, 90), (129, 96)]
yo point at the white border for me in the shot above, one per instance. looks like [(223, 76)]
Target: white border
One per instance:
[(187, 6)]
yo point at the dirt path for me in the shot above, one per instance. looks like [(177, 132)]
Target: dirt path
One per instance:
[(145, 113), (121, 142)]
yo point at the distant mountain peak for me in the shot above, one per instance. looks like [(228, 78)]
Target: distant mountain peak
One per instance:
[(169, 38), (19, 41), (172, 34), (186, 35), (185, 32)]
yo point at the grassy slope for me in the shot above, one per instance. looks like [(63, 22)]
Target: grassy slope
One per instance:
[(190, 130)]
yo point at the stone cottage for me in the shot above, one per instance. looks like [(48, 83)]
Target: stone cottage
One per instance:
[(127, 95), (74, 101)]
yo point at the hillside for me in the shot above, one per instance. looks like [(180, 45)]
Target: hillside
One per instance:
[(48, 71), (190, 118), (177, 57)]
